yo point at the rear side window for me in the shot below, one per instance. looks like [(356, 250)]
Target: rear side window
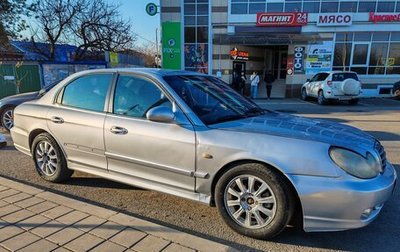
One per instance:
[(344, 76), (87, 92), (323, 76)]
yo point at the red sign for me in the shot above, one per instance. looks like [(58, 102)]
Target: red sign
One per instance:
[(373, 17), (239, 55), (282, 18)]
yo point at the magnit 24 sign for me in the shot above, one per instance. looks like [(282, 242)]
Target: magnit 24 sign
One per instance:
[(282, 18)]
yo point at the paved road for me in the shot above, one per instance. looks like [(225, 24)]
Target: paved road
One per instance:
[(379, 117)]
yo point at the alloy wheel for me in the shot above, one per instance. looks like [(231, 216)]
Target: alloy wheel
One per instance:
[(46, 158), (250, 201), (8, 119)]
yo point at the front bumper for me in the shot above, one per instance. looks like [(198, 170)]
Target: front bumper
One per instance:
[(334, 204)]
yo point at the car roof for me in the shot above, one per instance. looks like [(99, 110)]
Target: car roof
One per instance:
[(149, 71), (335, 72)]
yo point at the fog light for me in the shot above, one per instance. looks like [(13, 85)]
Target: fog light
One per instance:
[(366, 213)]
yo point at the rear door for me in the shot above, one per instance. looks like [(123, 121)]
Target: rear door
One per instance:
[(147, 151), (77, 120)]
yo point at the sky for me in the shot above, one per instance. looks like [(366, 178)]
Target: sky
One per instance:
[(142, 24)]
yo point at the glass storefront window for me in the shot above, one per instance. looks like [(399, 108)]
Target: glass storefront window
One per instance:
[(387, 6), (256, 7), (362, 36), (348, 6), (366, 6), (344, 37), (202, 20), (342, 54), (202, 9), (394, 55), (293, 7), (360, 54), (239, 8), (376, 70), (395, 36), (329, 7), (190, 20), (381, 36), (311, 7), (378, 54), (275, 7), (202, 34), (190, 34)]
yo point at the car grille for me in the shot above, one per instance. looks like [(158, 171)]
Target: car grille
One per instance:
[(379, 148)]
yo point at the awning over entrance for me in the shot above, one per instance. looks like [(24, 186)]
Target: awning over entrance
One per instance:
[(253, 36)]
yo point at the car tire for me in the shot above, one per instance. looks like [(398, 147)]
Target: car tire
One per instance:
[(321, 98), (244, 213), (353, 102), (304, 96), (7, 118), (49, 159)]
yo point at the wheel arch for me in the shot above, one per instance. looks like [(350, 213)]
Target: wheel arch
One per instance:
[(298, 210), (34, 133)]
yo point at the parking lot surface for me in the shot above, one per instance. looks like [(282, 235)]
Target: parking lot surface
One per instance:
[(379, 117)]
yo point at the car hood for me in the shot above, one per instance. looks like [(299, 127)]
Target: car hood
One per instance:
[(19, 98), (302, 128)]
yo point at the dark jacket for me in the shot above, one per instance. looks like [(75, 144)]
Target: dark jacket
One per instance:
[(269, 78)]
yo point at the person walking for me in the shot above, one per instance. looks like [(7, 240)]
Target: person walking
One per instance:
[(269, 79), (255, 79), (243, 83), (236, 81)]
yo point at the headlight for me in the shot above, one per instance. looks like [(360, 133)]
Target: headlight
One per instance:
[(355, 164)]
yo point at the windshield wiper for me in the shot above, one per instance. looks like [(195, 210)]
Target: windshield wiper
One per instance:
[(254, 111)]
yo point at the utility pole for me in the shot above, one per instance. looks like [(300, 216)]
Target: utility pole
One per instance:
[(157, 55)]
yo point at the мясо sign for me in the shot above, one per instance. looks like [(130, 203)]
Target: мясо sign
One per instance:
[(335, 19)]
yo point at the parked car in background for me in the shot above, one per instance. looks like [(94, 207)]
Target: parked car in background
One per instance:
[(3, 141), (334, 85), (191, 135), (396, 90), (8, 104)]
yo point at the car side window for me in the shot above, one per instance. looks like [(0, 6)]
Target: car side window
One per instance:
[(87, 92), (135, 96), (315, 78)]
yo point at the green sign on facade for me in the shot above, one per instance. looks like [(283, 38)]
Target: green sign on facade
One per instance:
[(171, 45)]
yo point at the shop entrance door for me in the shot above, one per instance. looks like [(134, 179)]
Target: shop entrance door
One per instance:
[(280, 64), (238, 67)]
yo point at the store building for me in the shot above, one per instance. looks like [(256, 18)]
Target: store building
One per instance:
[(294, 39)]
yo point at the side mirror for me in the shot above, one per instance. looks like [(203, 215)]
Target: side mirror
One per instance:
[(161, 114)]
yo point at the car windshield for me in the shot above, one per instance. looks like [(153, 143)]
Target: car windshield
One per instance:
[(344, 76), (211, 99), (48, 87)]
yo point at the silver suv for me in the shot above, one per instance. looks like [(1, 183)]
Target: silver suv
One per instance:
[(191, 135), (335, 85)]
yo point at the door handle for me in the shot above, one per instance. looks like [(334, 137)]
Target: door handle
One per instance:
[(56, 119), (118, 130)]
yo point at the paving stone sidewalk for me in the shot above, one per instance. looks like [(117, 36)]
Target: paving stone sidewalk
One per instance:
[(32, 219)]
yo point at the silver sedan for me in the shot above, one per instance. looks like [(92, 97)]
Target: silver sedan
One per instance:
[(191, 135)]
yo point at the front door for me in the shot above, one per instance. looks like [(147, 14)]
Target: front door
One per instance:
[(282, 65), (163, 153)]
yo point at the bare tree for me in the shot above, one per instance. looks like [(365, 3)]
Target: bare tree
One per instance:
[(92, 25), (11, 16), (54, 18), (101, 27)]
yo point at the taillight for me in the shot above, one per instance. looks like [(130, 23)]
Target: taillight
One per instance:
[(329, 83)]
